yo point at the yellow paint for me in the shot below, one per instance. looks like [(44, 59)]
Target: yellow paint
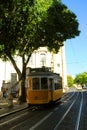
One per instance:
[(43, 96), (57, 94)]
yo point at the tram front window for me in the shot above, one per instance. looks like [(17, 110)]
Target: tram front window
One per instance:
[(36, 83), (44, 83), (50, 84)]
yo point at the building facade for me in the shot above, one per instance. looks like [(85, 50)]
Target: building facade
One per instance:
[(57, 62), (39, 58)]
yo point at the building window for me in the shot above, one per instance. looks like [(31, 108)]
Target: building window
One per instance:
[(43, 59)]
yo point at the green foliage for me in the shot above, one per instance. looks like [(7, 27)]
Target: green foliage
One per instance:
[(27, 25), (18, 26), (59, 25), (81, 78), (70, 81)]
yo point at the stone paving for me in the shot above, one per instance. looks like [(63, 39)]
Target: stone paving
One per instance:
[(5, 103), (6, 109)]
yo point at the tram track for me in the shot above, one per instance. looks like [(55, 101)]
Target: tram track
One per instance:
[(65, 97), (10, 115), (44, 124), (13, 111), (17, 112), (79, 114), (7, 118), (57, 116), (66, 115), (83, 118), (62, 116), (15, 120), (71, 118)]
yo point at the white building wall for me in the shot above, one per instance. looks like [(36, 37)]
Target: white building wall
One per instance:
[(59, 64), (56, 61)]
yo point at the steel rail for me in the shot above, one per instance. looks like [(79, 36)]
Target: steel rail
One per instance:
[(79, 114), (65, 114)]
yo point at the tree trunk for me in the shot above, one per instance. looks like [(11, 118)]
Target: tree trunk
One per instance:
[(21, 77), (22, 90)]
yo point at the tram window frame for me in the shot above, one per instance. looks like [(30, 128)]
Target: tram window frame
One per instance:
[(35, 86), (29, 83), (50, 83), (44, 85), (57, 84)]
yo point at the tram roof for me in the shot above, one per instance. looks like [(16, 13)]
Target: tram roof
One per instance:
[(44, 71)]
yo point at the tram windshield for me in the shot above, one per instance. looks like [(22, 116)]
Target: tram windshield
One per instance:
[(50, 83), (44, 83), (36, 84)]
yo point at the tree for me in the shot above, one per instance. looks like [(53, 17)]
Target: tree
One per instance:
[(59, 25), (70, 81), (26, 25), (81, 78), (18, 22)]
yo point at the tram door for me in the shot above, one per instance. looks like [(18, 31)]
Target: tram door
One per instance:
[(51, 87)]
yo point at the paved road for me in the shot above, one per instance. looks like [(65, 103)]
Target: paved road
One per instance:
[(70, 114)]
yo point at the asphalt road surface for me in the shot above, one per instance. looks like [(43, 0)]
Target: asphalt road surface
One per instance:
[(69, 114)]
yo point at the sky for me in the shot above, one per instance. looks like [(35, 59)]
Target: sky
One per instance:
[(76, 48)]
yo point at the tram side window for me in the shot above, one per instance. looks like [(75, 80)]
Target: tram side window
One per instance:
[(30, 83), (44, 83), (50, 83), (58, 85), (36, 83)]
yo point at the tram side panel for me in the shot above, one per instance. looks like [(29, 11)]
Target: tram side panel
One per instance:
[(57, 90), (43, 90), (36, 95), (57, 94)]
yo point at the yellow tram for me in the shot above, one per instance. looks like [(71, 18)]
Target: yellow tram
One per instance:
[(44, 86)]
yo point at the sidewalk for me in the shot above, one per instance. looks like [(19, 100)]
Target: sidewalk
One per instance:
[(4, 109), (4, 103)]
